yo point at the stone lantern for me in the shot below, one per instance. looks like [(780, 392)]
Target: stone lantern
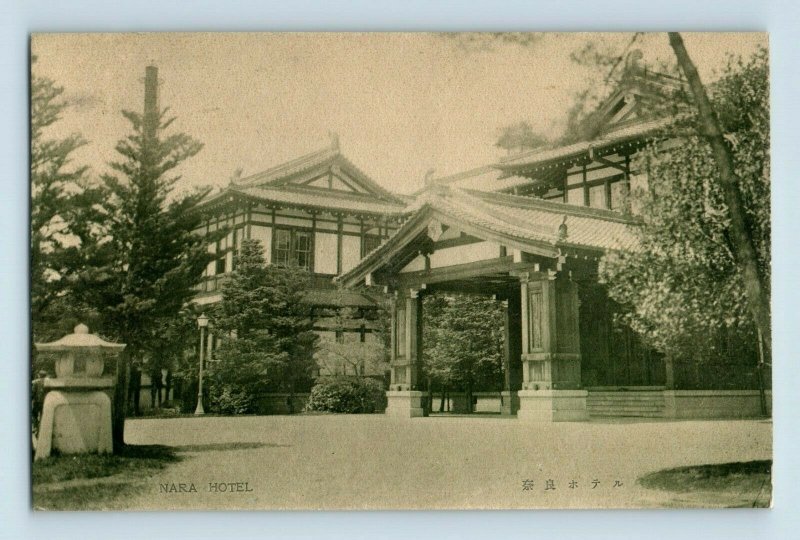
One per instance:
[(76, 415)]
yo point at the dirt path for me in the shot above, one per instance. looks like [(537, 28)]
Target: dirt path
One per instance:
[(375, 462)]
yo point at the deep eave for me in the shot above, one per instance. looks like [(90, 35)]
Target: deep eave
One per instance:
[(521, 223), (322, 202)]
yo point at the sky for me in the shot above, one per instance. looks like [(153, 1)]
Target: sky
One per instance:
[(401, 104)]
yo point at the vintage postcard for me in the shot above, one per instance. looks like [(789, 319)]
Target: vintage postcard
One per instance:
[(400, 271)]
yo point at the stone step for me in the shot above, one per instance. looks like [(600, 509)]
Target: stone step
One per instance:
[(594, 414), (625, 398), (626, 404)]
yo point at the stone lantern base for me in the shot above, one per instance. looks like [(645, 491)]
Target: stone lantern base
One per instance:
[(75, 422)]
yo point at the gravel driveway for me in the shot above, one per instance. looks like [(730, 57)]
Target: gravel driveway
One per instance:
[(376, 462)]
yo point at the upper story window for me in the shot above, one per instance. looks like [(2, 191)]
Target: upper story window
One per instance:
[(293, 247), (610, 193)]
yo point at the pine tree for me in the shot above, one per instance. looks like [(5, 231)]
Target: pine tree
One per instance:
[(267, 342), (58, 194), (519, 136), (147, 269)]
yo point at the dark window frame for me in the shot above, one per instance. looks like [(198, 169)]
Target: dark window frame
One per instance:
[(292, 253)]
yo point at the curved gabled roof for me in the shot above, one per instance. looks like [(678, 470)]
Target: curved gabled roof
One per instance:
[(284, 173), (524, 223)]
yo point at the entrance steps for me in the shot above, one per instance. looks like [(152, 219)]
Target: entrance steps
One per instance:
[(626, 403)]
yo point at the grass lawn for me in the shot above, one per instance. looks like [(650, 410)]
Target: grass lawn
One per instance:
[(731, 485), (92, 481)]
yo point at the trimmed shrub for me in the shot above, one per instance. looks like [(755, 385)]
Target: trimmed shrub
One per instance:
[(351, 395), (230, 399)]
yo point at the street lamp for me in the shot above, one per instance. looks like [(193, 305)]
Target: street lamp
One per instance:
[(202, 323)]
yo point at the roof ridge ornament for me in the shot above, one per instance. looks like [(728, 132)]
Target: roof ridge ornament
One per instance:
[(334, 137), (429, 180), (433, 186), (562, 229)]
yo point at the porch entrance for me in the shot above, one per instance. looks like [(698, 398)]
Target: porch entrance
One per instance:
[(533, 255)]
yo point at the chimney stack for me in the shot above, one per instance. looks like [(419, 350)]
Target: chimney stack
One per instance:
[(150, 102)]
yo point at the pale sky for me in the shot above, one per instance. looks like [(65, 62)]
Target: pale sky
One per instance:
[(401, 103)]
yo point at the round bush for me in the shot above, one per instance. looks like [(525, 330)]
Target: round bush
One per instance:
[(351, 395)]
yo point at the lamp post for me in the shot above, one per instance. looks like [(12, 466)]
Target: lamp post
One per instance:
[(202, 323)]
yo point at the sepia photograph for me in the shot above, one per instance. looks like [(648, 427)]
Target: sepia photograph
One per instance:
[(400, 271)]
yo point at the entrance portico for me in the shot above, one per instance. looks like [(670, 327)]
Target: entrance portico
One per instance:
[(528, 253)]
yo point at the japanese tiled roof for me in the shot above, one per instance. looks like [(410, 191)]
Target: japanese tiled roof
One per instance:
[(274, 187), (525, 222), (486, 178), (543, 156), (324, 200), (328, 156)]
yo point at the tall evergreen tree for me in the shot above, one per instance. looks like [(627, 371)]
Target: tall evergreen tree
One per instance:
[(266, 332), (152, 259), (61, 200)]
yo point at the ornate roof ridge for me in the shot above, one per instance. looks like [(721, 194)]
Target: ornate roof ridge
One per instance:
[(519, 201), (556, 152), (310, 190), (289, 167)]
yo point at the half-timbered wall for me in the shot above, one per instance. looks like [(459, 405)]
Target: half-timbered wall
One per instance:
[(338, 242)]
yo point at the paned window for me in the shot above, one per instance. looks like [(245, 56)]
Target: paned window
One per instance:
[(293, 247)]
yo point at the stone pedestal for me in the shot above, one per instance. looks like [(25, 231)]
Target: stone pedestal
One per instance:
[(510, 402), (75, 422), (405, 404), (552, 405)]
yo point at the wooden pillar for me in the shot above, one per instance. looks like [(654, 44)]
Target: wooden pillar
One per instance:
[(551, 350), (404, 396), (669, 372), (512, 362), (393, 344)]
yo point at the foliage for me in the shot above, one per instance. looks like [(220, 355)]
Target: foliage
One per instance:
[(611, 70), (63, 204), (463, 341), (351, 395), (351, 356), (682, 286), (146, 271), (52, 489), (143, 269), (519, 136), (265, 329)]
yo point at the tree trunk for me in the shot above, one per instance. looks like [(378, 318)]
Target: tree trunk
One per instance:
[(430, 396), (743, 246), (441, 402), (120, 404)]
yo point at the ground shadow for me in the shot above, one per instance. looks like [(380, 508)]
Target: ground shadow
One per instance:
[(95, 481), (212, 447), (737, 484)]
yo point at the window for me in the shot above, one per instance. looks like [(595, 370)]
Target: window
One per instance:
[(370, 243), (220, 266), (293, 247)]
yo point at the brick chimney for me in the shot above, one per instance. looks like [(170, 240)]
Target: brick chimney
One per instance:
[(150, 118)]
